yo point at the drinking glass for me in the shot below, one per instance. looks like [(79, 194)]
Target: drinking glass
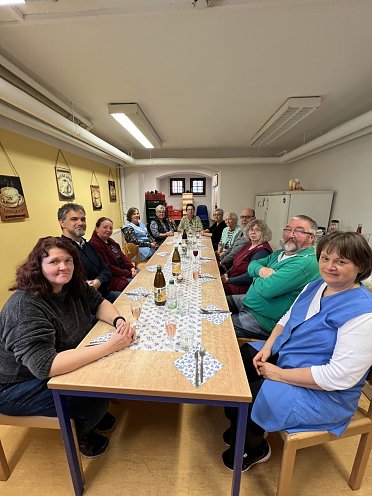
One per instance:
[(136, 308), (196, 272), (195, 252), (171, 328)]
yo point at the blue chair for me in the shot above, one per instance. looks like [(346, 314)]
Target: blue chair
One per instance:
[(202, 212)]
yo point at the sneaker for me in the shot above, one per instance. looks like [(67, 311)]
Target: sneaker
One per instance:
[(106, 424), (93, 445), (248, 460)]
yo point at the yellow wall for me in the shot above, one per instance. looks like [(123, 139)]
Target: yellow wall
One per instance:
[(34, 162)]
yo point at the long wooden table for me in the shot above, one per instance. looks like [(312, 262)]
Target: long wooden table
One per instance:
[(152, 376)]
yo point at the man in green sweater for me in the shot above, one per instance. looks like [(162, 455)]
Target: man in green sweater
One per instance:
[(278, 280)]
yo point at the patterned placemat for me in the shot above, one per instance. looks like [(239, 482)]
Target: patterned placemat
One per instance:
[(151, 268), (215, 318), (186, 364), (137, 293)]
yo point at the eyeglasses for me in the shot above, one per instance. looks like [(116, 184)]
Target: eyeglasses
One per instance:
[(296, 231), (190, 209), (246, 216)]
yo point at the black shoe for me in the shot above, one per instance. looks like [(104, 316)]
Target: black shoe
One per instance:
[(248, 460), (106, 424), (93, 445), (227, 437)]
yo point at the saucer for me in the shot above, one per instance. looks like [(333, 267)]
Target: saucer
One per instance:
[(12, 205)]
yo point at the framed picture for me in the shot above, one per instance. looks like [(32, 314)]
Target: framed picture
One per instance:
[(112, 191), (96, 197), (64, 179), (12, 200)]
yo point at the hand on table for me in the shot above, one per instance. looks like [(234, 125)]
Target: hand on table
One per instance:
[(123, 336)]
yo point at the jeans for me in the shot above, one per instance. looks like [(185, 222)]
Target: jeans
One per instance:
[(32, 397), (245, 325)]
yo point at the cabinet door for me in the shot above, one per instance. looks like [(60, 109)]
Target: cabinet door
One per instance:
[(261, 207), (277, 217)]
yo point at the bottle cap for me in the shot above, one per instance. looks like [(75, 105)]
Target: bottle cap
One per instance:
[(171, 281), (158, 267)]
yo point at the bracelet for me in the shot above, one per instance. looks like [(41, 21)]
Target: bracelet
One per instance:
[(116, 320)]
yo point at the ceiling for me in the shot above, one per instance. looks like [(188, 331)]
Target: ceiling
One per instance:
[(206, 78)]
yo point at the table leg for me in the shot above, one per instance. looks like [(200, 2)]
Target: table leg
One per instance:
[(239, 447), (68, 440)]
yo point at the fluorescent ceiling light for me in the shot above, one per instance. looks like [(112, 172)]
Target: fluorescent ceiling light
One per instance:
[(289, 115), (131, 117), (11, 2)]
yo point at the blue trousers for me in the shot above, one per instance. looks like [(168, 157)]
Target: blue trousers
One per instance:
[(32, 397)]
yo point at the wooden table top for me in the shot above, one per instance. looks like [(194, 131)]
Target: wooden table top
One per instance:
[(152, 373)]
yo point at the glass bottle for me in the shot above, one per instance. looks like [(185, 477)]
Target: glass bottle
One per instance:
[(176, 262), (172, 295), (160, 292)]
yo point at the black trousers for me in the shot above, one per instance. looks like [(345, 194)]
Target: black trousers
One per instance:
[(254, 434)]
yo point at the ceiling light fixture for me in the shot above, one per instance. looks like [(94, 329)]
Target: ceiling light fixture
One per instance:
[(131, 117), (11, 2), (289, 115)]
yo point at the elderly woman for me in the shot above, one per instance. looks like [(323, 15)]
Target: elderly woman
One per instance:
[(160, 228), (136, 232), (122, 269), (190, 220), (215, 230), (309, 374), (237, 280), (229, 234), (40, 326)]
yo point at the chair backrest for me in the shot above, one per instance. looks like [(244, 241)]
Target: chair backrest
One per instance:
[(202, 212), (132, 252)]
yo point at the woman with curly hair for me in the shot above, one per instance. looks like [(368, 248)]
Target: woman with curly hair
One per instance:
[(41, 324)]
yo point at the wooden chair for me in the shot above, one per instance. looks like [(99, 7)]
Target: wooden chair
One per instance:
[(132, 252), (31, 421), (360, 424)]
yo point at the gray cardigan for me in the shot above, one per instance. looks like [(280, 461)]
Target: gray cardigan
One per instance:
[(33, 331)]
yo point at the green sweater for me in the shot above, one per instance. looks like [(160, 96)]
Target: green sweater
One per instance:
[(268, 299)]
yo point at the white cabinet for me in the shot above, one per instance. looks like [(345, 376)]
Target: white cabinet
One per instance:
[(277, 208)]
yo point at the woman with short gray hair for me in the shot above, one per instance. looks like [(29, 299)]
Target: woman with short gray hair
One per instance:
[(229, 234), (160, 227), (215, 230)]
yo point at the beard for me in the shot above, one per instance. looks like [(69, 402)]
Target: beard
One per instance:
[(290, 246), (79, 231)]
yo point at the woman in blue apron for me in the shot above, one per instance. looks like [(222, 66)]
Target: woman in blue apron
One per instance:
[(136, 232)]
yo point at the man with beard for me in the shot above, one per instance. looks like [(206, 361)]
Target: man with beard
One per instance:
[(72, 220), (278, 280)]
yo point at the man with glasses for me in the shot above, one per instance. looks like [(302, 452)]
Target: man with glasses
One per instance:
[(190, 221), (278, 280), (247, 215)]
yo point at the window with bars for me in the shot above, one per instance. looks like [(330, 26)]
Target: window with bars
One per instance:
[(177, 185), (197, 185)]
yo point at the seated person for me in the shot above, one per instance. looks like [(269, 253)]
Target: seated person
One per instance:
[(136, 232), (309, 374), (160, 228), (72, 220), (190, 221), (40, 326), (277, 281), (226, 261), (229, 234), (237, 280), (122, 269), (215, 230)]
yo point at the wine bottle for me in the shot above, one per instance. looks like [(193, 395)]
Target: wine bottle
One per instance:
[(176, 262), (160, 294), (184, 235)]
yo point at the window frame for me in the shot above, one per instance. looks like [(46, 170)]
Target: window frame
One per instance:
[(174, 179), (203, 180)]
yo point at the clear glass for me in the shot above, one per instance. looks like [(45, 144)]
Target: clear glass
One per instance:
[(196, 272), (136, 309), (170, 324)]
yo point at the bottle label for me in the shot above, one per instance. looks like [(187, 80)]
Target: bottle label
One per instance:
[(160, 295), (176, 268)]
